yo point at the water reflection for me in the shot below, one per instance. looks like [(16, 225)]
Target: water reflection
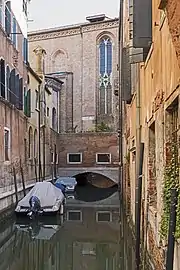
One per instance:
[(88, 237)]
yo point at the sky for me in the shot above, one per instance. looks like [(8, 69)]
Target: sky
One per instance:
[(47, 14)]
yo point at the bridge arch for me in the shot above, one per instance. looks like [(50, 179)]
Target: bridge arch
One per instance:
[(99, 177)]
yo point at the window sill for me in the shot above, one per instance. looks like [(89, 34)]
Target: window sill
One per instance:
[(74, 163), (7, 162), (103, 163)]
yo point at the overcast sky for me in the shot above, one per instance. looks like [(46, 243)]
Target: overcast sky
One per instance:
[(52, 13)]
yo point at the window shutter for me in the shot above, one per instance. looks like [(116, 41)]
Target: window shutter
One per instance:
[(2, 78), (17, 91), (20, 105), (8, 18), (25, 101), (126, 76), (14, 36), (142, 23), (25, 50), (12, 87), (29, 103)]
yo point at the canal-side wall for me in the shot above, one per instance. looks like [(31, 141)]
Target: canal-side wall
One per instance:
[(8, 199)]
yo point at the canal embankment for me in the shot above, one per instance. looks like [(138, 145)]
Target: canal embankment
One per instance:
[(12, 194)]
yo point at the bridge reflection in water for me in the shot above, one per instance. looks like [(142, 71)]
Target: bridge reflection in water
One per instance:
[(89, 237)]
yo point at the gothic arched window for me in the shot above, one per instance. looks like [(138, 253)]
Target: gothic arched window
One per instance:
[(105, 70)]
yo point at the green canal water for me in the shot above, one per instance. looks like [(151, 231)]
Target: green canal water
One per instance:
[(89, 236)]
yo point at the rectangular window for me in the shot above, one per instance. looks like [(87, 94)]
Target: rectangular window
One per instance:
[(52, 158), (103, 158), (103, 216), (74, 158), (47, 112), (57, 159), (6, 144), (74, 215), (134, 156), (37, 100)]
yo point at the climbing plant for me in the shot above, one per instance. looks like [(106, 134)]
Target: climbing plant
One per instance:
[(171, 180), (102, 127)]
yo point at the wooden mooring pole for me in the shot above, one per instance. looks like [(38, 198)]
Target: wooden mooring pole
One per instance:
[(15, 184), (22, 177)]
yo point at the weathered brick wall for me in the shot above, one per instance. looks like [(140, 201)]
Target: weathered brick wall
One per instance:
[(88, 144), (14, 120)]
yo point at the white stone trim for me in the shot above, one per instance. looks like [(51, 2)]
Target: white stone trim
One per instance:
[(68, 154), (101, 163), (9, 143)]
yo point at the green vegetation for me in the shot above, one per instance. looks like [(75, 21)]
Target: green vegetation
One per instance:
[(171, 180)]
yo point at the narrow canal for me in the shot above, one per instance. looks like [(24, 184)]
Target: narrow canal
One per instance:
[(88, 237)]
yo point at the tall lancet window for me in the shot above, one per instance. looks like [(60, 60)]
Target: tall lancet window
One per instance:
[(105, 70)]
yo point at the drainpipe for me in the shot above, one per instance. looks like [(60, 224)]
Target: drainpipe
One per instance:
[(82, 62)]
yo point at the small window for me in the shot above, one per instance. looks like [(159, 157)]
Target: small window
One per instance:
[(74, 158), (47, 111), (37, 100), (134, 156), (103, 158), (103, 216), (52, 158), (6, 144), (57, 159), (74, 215)]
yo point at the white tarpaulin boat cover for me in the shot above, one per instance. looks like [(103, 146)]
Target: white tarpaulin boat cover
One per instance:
[(47, 193)]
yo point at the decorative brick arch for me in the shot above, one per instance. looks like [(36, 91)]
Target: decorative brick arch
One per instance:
[(105, 34), (59, 60)]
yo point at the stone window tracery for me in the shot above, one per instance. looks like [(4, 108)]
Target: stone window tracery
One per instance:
[(105, 76)]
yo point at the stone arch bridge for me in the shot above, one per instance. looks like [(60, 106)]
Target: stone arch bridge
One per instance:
[(103, 174)]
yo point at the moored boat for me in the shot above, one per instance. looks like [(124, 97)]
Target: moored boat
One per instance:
[(43, 199)]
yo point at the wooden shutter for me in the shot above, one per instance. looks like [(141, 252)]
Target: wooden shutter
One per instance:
[(12, 87)]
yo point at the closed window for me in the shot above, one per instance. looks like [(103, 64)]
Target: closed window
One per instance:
[(103, 158), (74, 215), (103, 216), (74, 158), (6, 144)]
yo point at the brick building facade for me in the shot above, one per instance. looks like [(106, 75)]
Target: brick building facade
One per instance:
[(13, 79), (84, 57), (152, 115)]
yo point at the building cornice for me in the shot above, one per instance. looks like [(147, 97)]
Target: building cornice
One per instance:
[(72, 30)]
